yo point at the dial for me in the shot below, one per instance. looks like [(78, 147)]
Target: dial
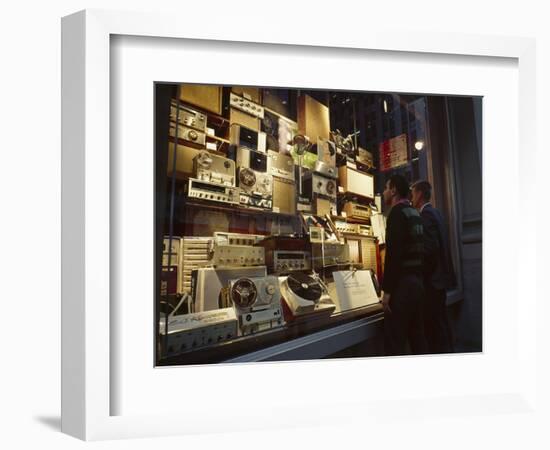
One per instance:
[(270, 289), (247, 177)]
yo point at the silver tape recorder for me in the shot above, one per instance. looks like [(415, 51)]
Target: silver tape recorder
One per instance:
[(214, 168), (316, 185), (257, 303), (209, 285), (205, 190), (256, 188)]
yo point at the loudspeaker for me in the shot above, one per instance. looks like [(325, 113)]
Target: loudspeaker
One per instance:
[(313, 118), (356, 182), (324, 206), (282, 101), (207, 97), (284, 196), (246, 120), (184, 160)]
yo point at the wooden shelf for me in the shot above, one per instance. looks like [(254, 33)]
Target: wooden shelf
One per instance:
[(246, 344), (216, 138), (353, 194), (352, 220), (232, 208)]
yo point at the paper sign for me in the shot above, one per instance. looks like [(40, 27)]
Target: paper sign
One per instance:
[(393, 153), (354, 289)]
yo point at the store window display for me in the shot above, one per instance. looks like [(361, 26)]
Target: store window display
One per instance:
[(269, 224)]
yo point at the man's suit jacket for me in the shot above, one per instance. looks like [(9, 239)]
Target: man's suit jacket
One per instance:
[(438, 265)]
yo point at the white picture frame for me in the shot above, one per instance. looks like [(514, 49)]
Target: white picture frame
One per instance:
[(88, 322)]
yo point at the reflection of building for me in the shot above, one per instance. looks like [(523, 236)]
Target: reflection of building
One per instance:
[(447, 134)]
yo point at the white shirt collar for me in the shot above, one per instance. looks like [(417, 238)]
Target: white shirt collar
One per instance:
[(424, 205)]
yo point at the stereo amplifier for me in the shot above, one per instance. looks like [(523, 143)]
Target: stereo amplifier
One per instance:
[(357, 211), (191, 331), (188, 134), (215, 192), (188, 117), (247, 106)]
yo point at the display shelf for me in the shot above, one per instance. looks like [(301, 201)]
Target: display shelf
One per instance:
[(351, 220), (320, 344), (216, 138), (353, 195), (239, 347), (238, 209)]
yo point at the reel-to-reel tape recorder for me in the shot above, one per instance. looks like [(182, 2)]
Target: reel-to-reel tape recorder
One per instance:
[(214, 168), (256, 188), (257, 303)]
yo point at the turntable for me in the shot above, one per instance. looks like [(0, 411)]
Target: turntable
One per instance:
[(305, 294)]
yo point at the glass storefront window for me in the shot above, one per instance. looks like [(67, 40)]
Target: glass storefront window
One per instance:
[(269, 220)]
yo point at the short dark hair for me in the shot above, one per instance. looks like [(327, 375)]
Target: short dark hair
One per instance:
[(401, 185), (425, 187)]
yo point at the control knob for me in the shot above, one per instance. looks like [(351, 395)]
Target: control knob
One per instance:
[(270, 289)]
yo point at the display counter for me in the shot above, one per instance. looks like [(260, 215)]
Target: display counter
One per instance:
[(313, 339), (268, 236)]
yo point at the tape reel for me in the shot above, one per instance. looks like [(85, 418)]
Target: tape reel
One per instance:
[(244, 293)]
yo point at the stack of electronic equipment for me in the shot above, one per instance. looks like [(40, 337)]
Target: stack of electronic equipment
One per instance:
[(272, 162), (263, 150), (243, 284), (289, 258), (237, 276)]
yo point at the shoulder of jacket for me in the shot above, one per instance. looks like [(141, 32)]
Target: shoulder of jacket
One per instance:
[(409, 211), (429, 211)]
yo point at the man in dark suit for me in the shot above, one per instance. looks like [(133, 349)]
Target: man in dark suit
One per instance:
[(402, 283), (438, 271)]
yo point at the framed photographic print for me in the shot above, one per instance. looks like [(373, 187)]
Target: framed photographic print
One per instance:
[(229, 230)]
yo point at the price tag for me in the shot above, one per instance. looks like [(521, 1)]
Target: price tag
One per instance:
[(276, 209)]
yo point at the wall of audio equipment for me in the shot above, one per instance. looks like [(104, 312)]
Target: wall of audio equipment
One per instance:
[(275, 222)]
